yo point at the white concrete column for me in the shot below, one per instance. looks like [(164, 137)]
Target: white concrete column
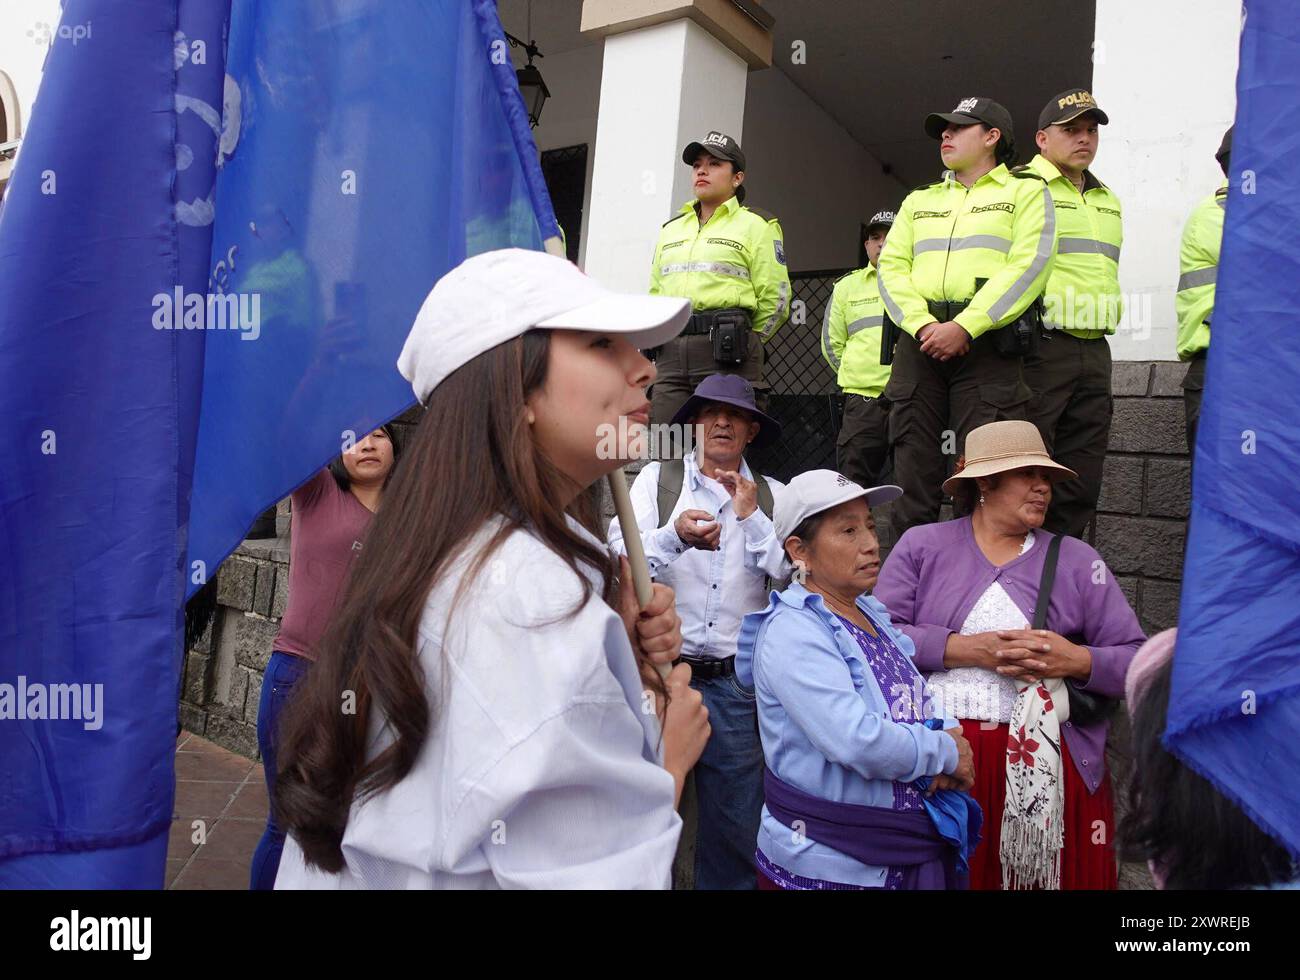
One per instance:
[(661, 87), (1165, 71)]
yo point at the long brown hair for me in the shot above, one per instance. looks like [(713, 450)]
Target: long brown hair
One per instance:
[(472, 458)]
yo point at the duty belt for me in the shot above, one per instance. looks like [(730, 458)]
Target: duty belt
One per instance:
[(702, 321), (944, 310), (707, 668)]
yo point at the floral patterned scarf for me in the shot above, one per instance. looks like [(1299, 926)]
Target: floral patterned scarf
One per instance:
[(1033, 816)]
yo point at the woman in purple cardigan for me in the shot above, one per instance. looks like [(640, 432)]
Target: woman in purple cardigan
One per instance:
[(965, 591)]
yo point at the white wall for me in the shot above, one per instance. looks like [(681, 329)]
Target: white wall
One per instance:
[(660, 87), (22, 55), (1165, 73), (803, 166), (810, 173)]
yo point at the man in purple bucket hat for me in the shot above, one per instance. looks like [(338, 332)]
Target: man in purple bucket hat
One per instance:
[(706, 525)]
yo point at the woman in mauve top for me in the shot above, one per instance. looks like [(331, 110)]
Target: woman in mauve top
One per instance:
[(331, 512), (965, 592)]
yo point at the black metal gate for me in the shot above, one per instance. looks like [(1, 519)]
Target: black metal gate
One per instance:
[(803, 394)]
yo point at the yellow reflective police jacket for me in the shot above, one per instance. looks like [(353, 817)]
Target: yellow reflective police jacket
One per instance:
[(1198, 266), (851, 334), (1082, 295), (1002, 228), (736, 260)]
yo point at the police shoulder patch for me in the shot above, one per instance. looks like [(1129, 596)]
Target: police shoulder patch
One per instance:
[(680, 214), (779, 248)]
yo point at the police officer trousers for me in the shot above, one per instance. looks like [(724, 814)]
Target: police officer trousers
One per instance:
[(684, 362), (862, 448), (933, 405), (1072, 407), (1193, 386)]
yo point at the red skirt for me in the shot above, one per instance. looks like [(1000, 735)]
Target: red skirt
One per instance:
[(1088, 854)]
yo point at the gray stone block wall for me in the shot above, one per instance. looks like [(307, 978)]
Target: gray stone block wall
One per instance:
[(1141, 523), (223, 670)]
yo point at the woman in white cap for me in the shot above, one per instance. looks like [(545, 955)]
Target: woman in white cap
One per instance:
[(477, 716), (1031, 664), (861, 784)]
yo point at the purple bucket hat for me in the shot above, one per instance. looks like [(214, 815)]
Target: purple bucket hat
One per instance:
[(731, 389)]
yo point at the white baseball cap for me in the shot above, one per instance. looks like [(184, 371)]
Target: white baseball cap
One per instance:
[(818, 490), (497, 296)]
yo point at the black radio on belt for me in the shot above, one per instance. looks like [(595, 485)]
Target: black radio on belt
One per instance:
[(728, 330)]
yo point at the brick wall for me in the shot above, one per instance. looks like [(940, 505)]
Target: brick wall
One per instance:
[(1146, 489), (223, 670)]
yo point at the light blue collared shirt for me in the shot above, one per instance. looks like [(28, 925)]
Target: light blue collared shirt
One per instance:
[(826, 725)]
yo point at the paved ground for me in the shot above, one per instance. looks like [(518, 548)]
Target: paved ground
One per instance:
[(220, 802)]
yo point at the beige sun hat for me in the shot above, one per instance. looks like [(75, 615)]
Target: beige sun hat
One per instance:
[(1001, 446)]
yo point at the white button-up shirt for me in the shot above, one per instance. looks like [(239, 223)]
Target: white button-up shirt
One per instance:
[(715, 589), (542, 767)]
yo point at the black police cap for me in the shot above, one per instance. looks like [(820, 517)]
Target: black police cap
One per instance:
[(715, 144), (1068, 105)]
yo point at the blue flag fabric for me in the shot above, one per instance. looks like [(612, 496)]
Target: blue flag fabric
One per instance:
[(210, 266), (376, 145), (1235, 703), (108, 209)]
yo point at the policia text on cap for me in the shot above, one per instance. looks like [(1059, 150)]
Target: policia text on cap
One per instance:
[(729, 261), (961, 279)]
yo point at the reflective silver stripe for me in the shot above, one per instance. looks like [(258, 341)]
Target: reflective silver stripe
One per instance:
[(867, 321), (782, 307), (827, 349), (721, 268), (1065, 245), (1198, 277), (1046, 240), (995, 242), (895, 312)]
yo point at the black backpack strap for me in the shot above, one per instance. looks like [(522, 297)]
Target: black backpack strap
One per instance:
[(672, 472), (765, 503), (1045, 583)]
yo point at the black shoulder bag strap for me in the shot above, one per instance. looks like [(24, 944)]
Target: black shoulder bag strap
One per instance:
[(1086, 708), (1046, 582)]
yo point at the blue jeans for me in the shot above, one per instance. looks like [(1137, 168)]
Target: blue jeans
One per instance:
[(729, 787), (283, 671)]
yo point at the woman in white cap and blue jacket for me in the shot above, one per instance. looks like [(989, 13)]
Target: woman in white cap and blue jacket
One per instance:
[(863, 788), (478, 715)]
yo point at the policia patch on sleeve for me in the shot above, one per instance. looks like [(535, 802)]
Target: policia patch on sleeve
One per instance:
[(779, 249)]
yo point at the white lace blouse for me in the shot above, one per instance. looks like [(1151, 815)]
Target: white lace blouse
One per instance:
[(977, 693)]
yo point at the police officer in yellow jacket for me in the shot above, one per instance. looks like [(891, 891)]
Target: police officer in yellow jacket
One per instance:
[(851, 330), (729, 261), (961, 276), (1069, 371), (1198, 263)]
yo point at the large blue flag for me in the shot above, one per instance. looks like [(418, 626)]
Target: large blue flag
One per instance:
[(209, 267), (377, 145), (109, 209), (1235, 705)]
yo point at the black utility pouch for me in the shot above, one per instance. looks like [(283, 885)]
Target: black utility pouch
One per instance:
[(888, 341), (730, 336)]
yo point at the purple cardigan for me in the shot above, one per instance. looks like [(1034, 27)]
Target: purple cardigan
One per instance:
[(936, 573)]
